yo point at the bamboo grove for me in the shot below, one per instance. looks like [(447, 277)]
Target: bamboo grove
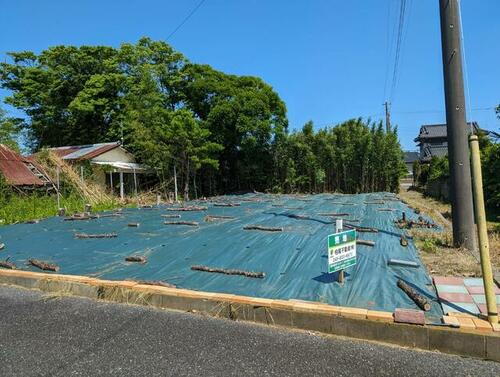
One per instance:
[(221, 133)]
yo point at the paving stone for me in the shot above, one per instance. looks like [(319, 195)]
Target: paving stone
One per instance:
[(475, 290), (451, 288), (413, 316), (461, 307), (456, 298), (463, 315), (466, 323), (482, 325), (448, 280), (473, 282), (451, 320)]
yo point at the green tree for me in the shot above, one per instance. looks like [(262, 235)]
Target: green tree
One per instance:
[(9, 130)]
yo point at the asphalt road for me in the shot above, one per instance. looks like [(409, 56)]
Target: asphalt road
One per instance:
[(45, 336)]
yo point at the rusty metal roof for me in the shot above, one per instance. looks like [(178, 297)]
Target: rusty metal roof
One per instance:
[(16, 168), (84, 152)]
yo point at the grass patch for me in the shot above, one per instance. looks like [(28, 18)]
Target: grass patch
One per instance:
[(18, 208), (437, 251)]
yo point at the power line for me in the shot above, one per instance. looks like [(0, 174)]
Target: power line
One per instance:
[(185, 19), (399, 43)]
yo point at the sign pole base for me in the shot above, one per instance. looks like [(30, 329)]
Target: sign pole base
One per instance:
[(341, 277)]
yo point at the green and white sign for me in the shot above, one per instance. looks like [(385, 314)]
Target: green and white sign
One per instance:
[(341, 250)]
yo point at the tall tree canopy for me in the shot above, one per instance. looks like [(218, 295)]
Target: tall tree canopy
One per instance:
[(219, 132)]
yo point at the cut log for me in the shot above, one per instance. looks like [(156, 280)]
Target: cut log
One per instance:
[(227, 204), (420, 300), (103, 235), (2, 246), (32, 222), (136, 258), (171, 216), (333, 214), (263, 228), (187, 209), (402, 263), (249, 274), (43, 265), (403, 241), (365, 242), (360, 229), (190, 223), (385, 209), (133, 225), (209, 218), (8, 265)]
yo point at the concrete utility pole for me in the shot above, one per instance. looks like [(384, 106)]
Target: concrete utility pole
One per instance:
[(387, 117), (456, 125)]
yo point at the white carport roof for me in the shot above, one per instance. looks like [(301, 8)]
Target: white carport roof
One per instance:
[(124, 167)]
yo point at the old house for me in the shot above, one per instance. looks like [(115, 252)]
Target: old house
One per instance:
[(22, 172), (112, 165)]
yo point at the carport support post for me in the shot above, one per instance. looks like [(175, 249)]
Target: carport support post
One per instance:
[(338, 228), (122, 192), (111, 182), (484, 247), (175, 183)]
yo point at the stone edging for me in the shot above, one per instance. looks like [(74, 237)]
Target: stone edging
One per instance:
[(314, 316)]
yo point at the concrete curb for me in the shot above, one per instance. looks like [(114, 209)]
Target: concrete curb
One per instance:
[(307, 315)]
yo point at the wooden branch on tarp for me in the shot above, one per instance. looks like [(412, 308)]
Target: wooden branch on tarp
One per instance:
[(190, 223), (365, 242), (263, 228), (8, 265), (227, 204), (43, 265), (361, 229), (171, 216), (136, 258), (249, 274), (187, 209), (209, 218), (333, 214), (102, 235), (420, 300)]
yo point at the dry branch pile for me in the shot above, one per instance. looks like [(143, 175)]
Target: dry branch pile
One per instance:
[(264, 228), (249, 274), (92, 193), (103, 235)]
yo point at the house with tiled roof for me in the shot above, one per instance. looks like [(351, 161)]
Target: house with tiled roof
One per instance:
[(432, 140)]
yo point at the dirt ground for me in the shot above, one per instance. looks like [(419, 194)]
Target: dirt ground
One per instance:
[(437, 252)]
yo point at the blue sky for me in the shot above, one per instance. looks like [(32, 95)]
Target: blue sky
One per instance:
[(327, 59)]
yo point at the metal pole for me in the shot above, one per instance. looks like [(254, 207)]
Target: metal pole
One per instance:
[(175, 183), (58, 190), (456, 125), (122, 191), (111, 182), (484, 247), (135, 183), (387, 117)]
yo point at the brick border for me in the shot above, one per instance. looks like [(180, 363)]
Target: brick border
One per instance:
[(307, 315)]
